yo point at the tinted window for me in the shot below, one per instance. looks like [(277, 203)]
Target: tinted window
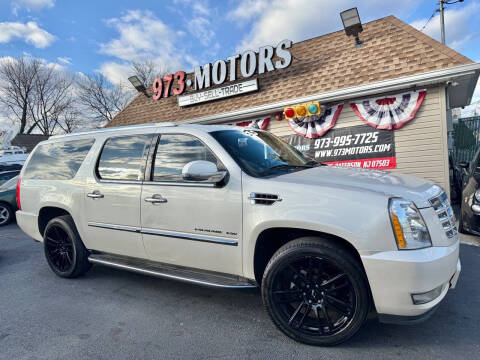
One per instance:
[(174, 152), (57, 161), (123, 158)]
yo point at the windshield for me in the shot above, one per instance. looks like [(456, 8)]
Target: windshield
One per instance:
[(260, 153)]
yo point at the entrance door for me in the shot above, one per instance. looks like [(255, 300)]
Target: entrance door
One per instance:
[(191, 224), (112, 198)]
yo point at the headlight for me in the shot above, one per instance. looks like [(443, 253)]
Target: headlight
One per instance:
[(408, 225)]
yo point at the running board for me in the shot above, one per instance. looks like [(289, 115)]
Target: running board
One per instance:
[(167, 271)]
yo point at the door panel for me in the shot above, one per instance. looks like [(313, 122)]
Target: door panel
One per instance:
[(112, 196), (195, 225)]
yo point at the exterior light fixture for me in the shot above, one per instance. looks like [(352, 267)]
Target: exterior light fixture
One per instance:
[(352, 24), (137, 84)]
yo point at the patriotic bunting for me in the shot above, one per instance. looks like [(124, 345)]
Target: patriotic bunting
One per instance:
[(315, 126), (389, 113), (261, 124)]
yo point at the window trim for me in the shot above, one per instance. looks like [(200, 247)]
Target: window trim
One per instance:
[(151, 164), (96, 175)]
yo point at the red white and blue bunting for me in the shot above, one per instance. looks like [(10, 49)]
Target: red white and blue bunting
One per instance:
[(261, 124), (315, 126), (391, 112)]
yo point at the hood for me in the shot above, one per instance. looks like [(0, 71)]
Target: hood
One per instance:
[(408, 187)]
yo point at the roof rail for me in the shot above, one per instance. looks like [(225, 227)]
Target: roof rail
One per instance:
[(110, 129)]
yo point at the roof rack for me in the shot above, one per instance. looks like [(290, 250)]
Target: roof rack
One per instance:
[(138, 126)]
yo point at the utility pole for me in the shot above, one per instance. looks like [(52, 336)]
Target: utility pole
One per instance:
[(442, 18), (442, 21)]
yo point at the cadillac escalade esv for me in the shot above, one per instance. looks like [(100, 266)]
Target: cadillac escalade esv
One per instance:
[(232, 207)]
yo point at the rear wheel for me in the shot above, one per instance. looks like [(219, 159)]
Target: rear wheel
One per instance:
[(6, 214), (315, 292), (64, 250)]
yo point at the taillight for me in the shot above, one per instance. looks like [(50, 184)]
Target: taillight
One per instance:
[(19, 182)]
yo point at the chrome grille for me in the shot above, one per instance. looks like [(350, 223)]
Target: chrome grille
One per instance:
[(445, 214)]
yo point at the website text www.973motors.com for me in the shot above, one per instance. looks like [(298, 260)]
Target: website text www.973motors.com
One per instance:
[(360, 150)]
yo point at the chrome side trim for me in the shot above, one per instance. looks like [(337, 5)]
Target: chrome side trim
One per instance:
[(127, 182), (114, 227), (194, 237), (186, 184), (167, 276)]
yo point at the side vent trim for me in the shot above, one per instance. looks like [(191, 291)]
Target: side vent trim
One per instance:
[(263, 199)]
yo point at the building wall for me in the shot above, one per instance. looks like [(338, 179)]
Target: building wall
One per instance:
[(420, 146)]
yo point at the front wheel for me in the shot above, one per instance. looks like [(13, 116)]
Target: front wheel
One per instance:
[(315, 292), (64, 250)]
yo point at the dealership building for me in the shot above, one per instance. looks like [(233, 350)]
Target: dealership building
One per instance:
[(380, 101)]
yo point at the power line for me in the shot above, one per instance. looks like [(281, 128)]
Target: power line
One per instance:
[(431, 17)]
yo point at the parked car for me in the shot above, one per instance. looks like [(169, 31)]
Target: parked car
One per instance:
[(8, 201), (7, 175), (237, 208), (469, 220)]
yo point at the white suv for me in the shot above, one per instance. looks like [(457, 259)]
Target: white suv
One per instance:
[(237, 208)]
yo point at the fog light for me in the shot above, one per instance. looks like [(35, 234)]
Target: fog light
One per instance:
[(428, 296)]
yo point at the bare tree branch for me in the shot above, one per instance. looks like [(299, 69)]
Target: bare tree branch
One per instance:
[(17, 79), (52, 99), (101, 99), (147, 71)]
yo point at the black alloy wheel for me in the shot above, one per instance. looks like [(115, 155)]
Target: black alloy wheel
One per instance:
[(59, 248), (64, 250), (315, 292)]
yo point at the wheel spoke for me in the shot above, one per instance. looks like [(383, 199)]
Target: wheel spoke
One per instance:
[(332, 280), (327, 318), (295, 313), (50, 239), (69, 258), (340, 306), (302, 319)]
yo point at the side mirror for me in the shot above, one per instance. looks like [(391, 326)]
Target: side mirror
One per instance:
[(202, 171), (463, 165)]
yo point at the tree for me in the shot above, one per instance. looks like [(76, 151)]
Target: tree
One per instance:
[(100, 98), (147, 71), (17, 81), (52, 99)]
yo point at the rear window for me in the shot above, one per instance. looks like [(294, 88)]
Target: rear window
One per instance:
[(57, 161)]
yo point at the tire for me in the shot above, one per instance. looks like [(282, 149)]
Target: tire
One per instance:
[(316, 292), (6, 214), (64, 250)]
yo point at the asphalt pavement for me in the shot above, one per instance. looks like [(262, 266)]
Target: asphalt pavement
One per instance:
[(112, 314)]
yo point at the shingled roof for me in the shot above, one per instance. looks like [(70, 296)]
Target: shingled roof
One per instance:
[(391, 49)]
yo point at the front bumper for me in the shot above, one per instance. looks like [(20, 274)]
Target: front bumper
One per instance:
[(395, 275)]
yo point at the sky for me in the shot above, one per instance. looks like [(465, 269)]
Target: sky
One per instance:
[(105, 36)]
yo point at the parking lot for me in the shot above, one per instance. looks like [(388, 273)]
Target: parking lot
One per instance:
[(111, 314)]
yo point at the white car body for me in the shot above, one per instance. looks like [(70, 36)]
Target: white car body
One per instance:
[(343, 203)]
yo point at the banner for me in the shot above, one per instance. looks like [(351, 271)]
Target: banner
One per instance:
[(389, 113), (316, 126), (356, 146)]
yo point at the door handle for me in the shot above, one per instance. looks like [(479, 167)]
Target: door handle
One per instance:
[(95, 195), (156, 199)]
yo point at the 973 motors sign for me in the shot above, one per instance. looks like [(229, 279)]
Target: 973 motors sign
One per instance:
[(358, 146)]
